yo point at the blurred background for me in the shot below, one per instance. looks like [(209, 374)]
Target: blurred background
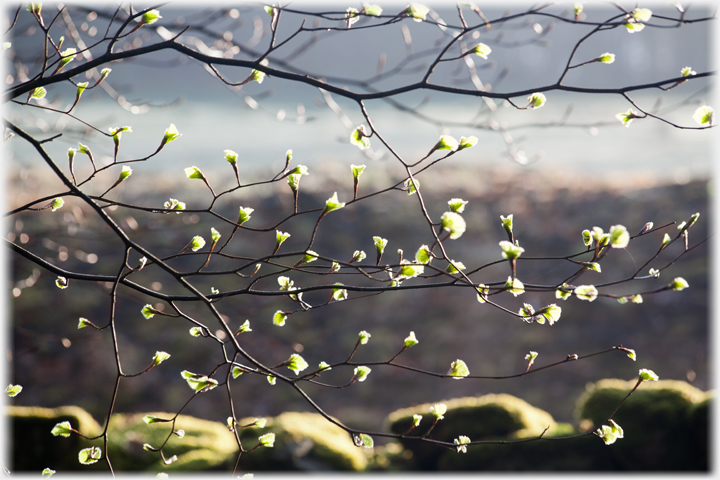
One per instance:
[(566, 167)]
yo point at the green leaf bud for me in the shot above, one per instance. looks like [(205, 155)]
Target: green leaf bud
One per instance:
[(704, 115), (196, 331), (197, 243), (124, 173), (68, 55), (373, 10), (482, 293), (587, 237), (351, 15), (81, 88), (679, 283), (453, 223), (365, 440), (57, 202), (147, 447), (457, 205), (38, 93), (180, 433), (199, 382), (160, 357), (551, 313), (296, 363), (279, 318), (271, 379), (309, 256), (619, 236), (231, 157), (666, 240), (648, 375), (633, 27), (364, 337), (458, 369), (236, 372), (13, 390), (361, 373), (104, 73), (214, 235), (446, 142), (359, 138), (48, 472), (455, 266), (411, 185), (515, 287), (63, 429), (687, 72), (339, 294), (594, 266), (260, 422), (416, 420), (335, 267), (417, 11), (530, 358), (438, 410), (577, 8), (423, 255), (267, 440), (642, 14), (637, 298), (118, 131), (380, 244), (358, 256), (631, 354), (244, 214), (481, 50), (411, 340), (408, 270), (627, 117), (333, 203), (324, 366), (269, 10), (536, 100), (607, 58), (61, 282), (171, 134), (150, 17), (607, 435), (148, 311), (257, 76), (510, 251), (622, 300), (586, 292), (563, 292), (507, 223), (461, 443), (357, 170), (280, 237), (528, 313), (467, 142), (194, 172), (88, 456), (174, 204)]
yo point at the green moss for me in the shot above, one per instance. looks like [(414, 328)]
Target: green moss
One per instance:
[(34, 447), (303, 441)]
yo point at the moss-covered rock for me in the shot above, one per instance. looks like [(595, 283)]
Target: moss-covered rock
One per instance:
[(205, 446), (303, 441), (34, 447), (493, 416), (665, 423)]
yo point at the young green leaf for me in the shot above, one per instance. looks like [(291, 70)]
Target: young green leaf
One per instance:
[(446, 142), (244, 215), (88, 456), (339, 294), (324, 366), (365, 440), (679, 283), (267, 440), (461, 443), (38, 93), (62, 429), (171, 134), (586, 292), (48, 472), (454, 266), (457, 205), (196, 331), (627, 117), (197, 243), (67, 56), (481, 50), (607, 58), (151, 419), (361, 373), (530, 358), (296, 363), (13, 390), (510, 251), (57, 202), (411, 340), (563, 292), (416, 420), (80, 89), (704, 115), (536, 100), (364, 336), (271, 379), (687, 72), (333, 203), (619, 236), (417, 11), (453, 223), (373, 10), (438, 410), (357, 170), (551, 313), (360, 138), (411, 185), (527, 312), (279, 318), (199, 382), (515, 286), (214, 235), (160, 357), (150, 17), (467, 142), (458, 369), (648, 375), (194, 172), (237, 371), (642, 14), (351, 16), (257, 76), (423, 255), (637, 298), (61, 282), (174, 204), (280, 237), (482, 293)]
